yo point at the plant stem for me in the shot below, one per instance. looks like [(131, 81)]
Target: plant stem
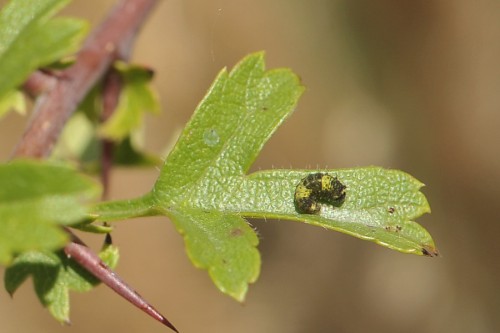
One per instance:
[(60, 97), (111, 39), (123, 209), (110, 96)]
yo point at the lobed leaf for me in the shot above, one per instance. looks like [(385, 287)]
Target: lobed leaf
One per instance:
[(227, 131), (204, 189)]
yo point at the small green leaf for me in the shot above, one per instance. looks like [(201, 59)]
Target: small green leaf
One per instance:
[(34, 199), (54, 275), (136, 98), (12, 101), (30, 39), (76, 141), (79, 144)]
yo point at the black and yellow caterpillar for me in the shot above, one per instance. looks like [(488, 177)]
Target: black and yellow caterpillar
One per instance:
[(317, 189)]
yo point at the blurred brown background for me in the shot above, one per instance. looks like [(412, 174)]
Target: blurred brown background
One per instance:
[(413, 85)]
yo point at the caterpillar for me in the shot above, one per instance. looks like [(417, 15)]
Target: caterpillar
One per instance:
[(317, 189)]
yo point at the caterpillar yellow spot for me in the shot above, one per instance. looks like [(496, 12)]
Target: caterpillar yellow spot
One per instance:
[(318, 189)]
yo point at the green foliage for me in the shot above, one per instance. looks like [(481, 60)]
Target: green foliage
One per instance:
[(136, 98), (379, 205), (229, 128), (223, 244), (80, 141), (12, 100), (30, 38), (54, 275), (77, 142), (203, 187), (80, 144), (36, 198)]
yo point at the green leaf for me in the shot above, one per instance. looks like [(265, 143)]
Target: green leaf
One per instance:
[(240, 112), (230, 126), (205, 190), (79, 144), (12, 101), (34, 199), (54, 275), (30, 39), (379, 206), (136, 98), (223, 244)]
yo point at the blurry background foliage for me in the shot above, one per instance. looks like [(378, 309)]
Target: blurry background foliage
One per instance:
[(412, 85)]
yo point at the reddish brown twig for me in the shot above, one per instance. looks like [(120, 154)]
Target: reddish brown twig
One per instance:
[(105, 44), (39, 83), (59, 98), (110, 96)]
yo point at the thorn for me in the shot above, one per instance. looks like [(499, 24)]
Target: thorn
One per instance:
[(92, 263), (162, 319), (108, 240)]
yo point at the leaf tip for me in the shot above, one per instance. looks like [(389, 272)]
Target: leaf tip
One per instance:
[(430, 251), (240, 297)]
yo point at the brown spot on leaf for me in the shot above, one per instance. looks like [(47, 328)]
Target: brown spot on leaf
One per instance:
[(236, 232), (392, 228)]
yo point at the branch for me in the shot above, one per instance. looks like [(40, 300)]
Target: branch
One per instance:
[(59, 98), (106, 44), (110, 96), (39, 83)]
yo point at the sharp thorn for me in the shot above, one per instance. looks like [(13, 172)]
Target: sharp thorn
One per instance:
[(92, 263)]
